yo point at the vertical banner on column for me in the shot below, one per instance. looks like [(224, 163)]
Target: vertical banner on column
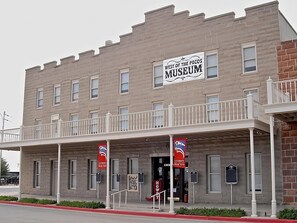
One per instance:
[(102, 154), (180, 148)]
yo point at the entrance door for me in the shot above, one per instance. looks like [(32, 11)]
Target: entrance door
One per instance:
[(161, 171), (54, 177)]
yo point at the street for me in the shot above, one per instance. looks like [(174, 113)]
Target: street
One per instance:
[(26, 214)]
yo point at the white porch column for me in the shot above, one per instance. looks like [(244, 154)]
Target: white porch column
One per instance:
[(108, 175), (273, 197), (59, 174), (20, 174), (171, 209), (254, 203)]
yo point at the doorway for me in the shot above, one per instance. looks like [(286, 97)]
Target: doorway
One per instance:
[(161, 172)]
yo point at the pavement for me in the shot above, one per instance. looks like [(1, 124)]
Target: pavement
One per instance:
[(145, 209)]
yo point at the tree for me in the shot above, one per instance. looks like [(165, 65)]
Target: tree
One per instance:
[(4, 167)]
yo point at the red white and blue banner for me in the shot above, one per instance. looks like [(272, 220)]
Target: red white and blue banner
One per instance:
[(102, 154), (184, 68), (180, 149)]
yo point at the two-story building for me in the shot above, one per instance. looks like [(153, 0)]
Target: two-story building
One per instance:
[(175, 78)]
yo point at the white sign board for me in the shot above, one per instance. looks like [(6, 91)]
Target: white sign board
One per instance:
[(184, 68)]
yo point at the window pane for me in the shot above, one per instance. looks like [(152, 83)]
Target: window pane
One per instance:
[(212, 60), (215, 183), (212, 72), (249, 53), (125, 77), (215, 164)]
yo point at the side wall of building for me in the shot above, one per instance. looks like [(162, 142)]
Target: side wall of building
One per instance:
[(287, 61)]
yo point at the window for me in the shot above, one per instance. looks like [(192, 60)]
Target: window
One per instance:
[(39, 98), (115, 185), (57, 94), (158, 115), (92, 174), (124, 88), (258, 172), (94, 122), (212, 108), (212, 65), (124, 118), (72, 174), (54, 125), (158, 75), (249, 58), (132, 165), (214, 174), (38, 124), (94, 87), (74, 124), (36, 179), (75, 91)]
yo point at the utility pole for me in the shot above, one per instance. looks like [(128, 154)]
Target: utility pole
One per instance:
[(2, 138)]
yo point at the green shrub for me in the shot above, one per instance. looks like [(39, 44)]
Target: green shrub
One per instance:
[(212, 212), (29, 200), (82, 204), (46, 201), (287, 214), (8, 198)]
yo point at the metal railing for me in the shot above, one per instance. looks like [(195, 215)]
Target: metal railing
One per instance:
[(158, 196), (223, 111), (120, 197)]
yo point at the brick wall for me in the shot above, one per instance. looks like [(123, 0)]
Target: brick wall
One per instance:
[(287, 62)]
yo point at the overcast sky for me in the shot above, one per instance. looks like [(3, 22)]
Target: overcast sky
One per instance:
[(35, 32)]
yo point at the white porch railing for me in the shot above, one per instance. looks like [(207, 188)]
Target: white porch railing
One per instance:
[(158, 196), (282, 91), (120, 197), (224, 111)]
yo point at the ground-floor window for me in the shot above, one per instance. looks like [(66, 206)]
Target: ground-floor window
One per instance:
[(214, 173), (72, 174), (132, 165), (115, 184), (258, 172), (92, 174), (36, 178)]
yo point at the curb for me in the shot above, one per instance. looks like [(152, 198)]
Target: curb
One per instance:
[(152, 214)]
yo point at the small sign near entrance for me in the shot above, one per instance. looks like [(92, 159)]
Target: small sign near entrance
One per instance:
[(231, 174)]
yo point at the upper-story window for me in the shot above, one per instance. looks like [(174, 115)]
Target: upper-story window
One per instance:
[(124, 118), (94, 87), (212, 108), (75, 90), (94, 122), (74, 124), (39, 98), (158, 74), (158, 115), (249, 57), (57, 94), (212, 65), (124, 86)]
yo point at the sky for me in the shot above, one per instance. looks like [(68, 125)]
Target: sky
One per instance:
[(35, 32)]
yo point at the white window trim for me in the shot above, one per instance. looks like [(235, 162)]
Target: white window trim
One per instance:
[(213, 52), (39, 99), (208, 175), (248, 162), (247, 45), (35, 174), (91, 79), (72, 89), (91, 175), (54, 98), (155, 64), (71, 174), (121, 72)]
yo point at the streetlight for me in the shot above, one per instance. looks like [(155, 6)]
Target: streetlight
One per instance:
[(2, 138)]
